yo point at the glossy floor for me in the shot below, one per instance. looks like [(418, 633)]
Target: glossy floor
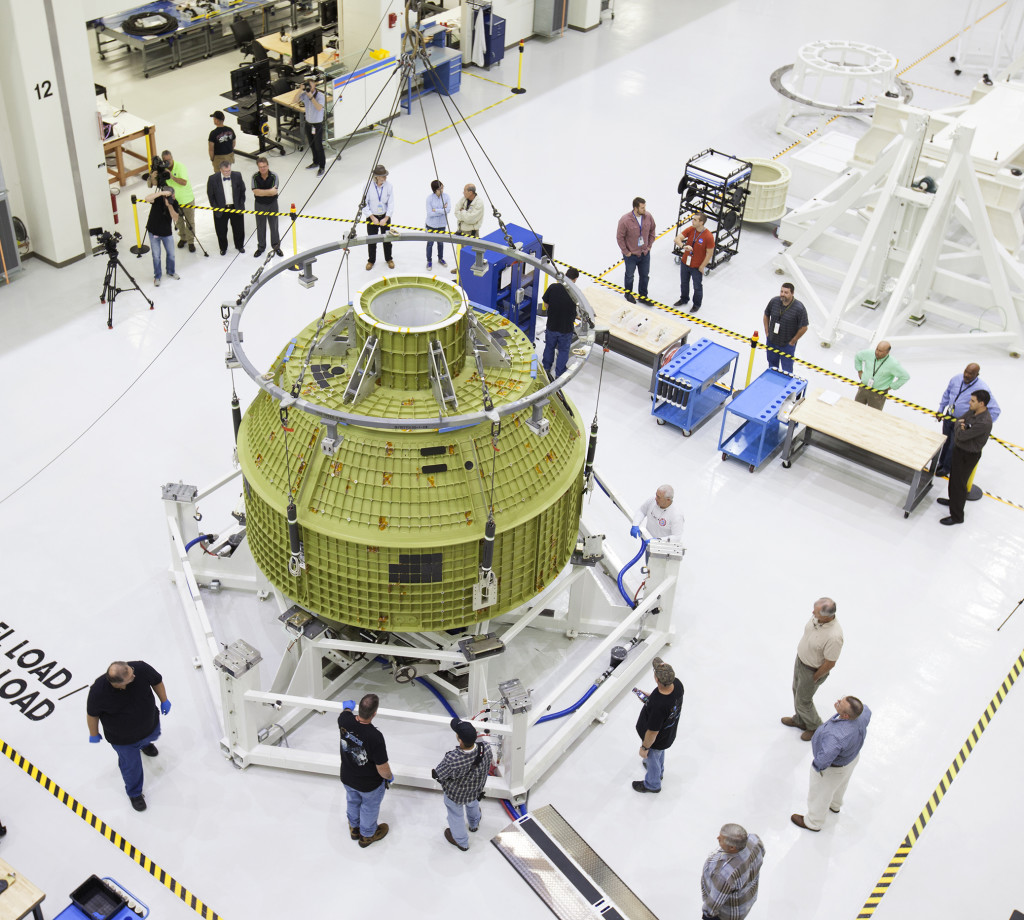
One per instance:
[(95, 421)]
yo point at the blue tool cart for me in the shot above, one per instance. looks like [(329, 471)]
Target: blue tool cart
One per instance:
[(761, 431), (688, 392), (508, 286), (103, 899)]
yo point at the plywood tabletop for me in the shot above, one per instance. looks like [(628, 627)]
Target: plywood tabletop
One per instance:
[(885, 435)]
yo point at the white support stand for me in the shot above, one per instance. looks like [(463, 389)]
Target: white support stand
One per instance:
[(319, 663), (991, 44), (885, 245)]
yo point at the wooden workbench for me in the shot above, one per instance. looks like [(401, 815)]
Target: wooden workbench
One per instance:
[(21, 897), (128, 128), (878, 440), (659, 337)]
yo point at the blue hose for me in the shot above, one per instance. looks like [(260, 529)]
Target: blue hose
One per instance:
[(199, 539), (565, 712), (626, 568), (439, 695)]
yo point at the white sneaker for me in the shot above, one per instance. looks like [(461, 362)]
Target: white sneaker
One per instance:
[(156, 282), (174, 276)]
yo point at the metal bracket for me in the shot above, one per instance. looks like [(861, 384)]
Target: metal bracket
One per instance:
[(364, 372), (440, 377)]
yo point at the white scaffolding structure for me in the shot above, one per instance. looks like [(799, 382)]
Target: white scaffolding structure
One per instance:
[(925, 222), (320, 662)]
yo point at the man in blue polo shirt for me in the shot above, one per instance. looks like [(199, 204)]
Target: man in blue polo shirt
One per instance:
[(836, 745)]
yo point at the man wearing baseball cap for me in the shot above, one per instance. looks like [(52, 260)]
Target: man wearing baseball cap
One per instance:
[(657, 725), (462, 775), (221, 141)]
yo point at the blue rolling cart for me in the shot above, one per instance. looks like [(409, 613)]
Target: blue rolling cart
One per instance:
[(761, 432), (687, 392), (509, 286)]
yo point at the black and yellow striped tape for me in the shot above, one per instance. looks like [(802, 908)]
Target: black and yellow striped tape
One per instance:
[(903, 850), (131, 851)]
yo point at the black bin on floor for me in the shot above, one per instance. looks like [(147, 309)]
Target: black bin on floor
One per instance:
[(94, 899)]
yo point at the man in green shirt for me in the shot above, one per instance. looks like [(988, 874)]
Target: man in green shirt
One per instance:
[(182, 188), (878, 372)]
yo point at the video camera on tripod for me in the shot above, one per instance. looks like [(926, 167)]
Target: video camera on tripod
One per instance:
[(106, 244)]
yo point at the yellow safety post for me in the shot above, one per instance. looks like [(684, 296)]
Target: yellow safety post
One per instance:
[(519, 85), (138, 248), (295, 234), (750, 363), (149, 149), (974, 492)]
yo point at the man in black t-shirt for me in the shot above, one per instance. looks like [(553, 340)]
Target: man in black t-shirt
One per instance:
[(364, 770), (221, 141), (561, 318), (657, 725), (162, 215), (122, 701), (265, 187)]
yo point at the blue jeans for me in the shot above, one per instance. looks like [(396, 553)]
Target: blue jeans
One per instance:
[(655, 769), (632, 264), (779, 362), (560, 341), (363, 808), (457, 821), (440, 249), (129, 760), (686, 272), (168, 243)]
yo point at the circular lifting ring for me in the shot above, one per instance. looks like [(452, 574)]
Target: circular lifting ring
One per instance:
[(335, 416), (905, 95)]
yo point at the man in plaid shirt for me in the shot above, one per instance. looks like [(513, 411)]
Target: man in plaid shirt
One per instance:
[(728, 884), (462, 775)]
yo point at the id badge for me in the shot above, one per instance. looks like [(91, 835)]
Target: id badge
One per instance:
[(640, 242), (871, 381), (775, 331)]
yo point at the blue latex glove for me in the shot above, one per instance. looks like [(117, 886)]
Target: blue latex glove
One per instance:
[(634, 531), (349, 704), (165, 707), (95, 739)]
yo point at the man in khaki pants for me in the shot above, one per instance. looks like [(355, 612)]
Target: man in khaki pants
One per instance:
[(816, 655)]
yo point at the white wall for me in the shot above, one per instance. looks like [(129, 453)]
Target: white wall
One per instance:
[(518, 16), (53, 157)]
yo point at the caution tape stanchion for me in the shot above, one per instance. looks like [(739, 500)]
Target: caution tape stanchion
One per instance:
[(750, 363), (294, 216), (519, 83), (138, 248)]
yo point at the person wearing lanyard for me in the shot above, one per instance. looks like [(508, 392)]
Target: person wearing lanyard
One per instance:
[(635, 236), (696, 245), (438, 206), (953, 405), (312, 102), (785, 321), (878, 372), (380, 202)]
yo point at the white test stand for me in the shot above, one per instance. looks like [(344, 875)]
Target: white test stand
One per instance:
[(317, 665)]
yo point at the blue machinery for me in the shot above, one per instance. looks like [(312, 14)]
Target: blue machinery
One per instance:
[(504, 284), (761, 431), (688, 392)]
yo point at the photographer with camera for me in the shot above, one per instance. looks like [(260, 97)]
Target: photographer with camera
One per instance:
[(160, 226), (313, 102), (173, 174)]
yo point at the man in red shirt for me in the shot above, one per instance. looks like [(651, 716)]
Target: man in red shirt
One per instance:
[(696, 245)]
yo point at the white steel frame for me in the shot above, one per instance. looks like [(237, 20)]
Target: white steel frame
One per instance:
[(255, 721), (889, 245)]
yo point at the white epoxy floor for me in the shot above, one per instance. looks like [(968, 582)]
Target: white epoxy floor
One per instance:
[(95, 421)]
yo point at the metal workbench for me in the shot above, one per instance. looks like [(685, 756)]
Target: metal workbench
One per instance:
[(194, 38)]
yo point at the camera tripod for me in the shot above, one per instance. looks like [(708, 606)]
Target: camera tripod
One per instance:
[(192, 230), (110, 289)]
